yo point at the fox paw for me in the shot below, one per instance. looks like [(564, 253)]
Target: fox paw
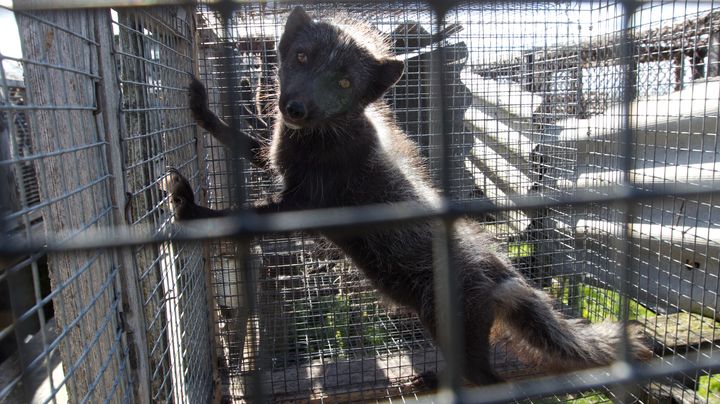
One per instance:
[(427, 380), (199, 104), (180, 193)]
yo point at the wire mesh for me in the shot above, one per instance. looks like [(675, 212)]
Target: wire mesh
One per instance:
[(61, 334), (323, 327), (553, 113), (520, 79), (154, 51)]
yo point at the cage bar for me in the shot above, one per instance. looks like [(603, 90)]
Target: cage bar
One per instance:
[(581, 135)]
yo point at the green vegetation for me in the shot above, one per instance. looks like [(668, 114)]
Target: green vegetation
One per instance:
[(708, 387), (332, 324), (520, 250), (590, 398), (596, 304), (353, 320)]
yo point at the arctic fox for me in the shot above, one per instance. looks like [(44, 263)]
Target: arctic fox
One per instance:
[(335, 143)]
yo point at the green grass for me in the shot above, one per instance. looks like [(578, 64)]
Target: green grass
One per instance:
[(333, 324), (708, 387), (520, 250), (597, 304), (590, 398)]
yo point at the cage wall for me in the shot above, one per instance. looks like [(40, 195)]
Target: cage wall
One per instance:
[(535, 92), (539, 100), (93, 111)]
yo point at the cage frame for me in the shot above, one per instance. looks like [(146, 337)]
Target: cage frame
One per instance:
[(246, 225)]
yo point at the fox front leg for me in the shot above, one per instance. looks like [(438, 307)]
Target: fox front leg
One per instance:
[(183, 206), (244, 141), (182, 198)]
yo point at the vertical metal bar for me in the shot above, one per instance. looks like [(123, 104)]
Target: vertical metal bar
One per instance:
[(448, 309), (255, 386), (621, 244), (211, 299), (627, 52)]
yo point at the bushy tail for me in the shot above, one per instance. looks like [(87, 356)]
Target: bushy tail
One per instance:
[(537, 333)]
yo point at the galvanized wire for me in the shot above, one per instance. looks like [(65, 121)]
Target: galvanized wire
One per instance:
[(542, 135)]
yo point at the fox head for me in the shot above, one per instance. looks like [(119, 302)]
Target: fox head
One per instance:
[(325, 74)]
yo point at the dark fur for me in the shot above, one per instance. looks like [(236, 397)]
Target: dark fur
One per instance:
[(348, 151)]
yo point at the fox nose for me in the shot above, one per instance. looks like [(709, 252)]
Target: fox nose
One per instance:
[(296, 110)]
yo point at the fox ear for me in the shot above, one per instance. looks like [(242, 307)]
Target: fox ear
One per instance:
[(386, 73), (297, 19)]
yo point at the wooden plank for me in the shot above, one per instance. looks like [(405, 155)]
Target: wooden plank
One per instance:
[(78, 277), (497, 166), (681, 174), (677, 234), (503, 134), (509, 96), (677, 331), (517, 220), (133, 313), (693, 109)]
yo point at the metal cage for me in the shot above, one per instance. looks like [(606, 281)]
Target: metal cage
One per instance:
[(581, 135)]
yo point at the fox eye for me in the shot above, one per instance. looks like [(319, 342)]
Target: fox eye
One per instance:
[(302, 58), (344, 83)]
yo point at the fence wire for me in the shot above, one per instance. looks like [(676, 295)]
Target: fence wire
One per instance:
[(155, 56), (581, 135), (61, 330)]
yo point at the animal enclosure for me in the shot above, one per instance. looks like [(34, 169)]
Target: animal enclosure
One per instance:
[(582, 135)]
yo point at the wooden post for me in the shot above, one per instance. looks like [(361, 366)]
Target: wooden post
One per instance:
[(133, 314), (713, 55), (73, 185)]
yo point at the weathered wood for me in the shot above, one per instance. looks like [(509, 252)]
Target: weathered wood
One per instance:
[(73, 186), (670, 393), (507, 95), (704, 236), (109, 94), (679, 174), (678, 331), (693, 109)]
